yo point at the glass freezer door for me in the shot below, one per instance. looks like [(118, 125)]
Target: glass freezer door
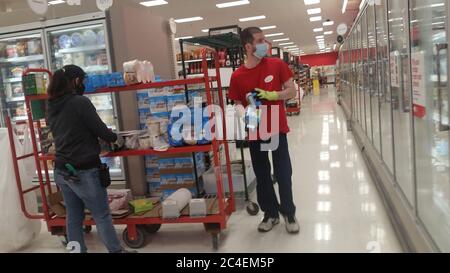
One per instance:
[(86, 45), (17, 53), (429, 55)]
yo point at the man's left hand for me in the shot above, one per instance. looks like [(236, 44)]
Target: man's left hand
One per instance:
[(267, 95)]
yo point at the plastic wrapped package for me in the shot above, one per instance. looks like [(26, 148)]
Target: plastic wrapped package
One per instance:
[(17, 231)]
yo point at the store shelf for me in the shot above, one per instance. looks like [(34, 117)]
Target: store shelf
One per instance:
[(83, 49), (128, 153), (12, 80), (25, 59), (194, 61), (96, 68), (135, 87), (16, 99)]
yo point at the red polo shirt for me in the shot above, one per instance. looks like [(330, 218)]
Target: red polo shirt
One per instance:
[(269, 75)]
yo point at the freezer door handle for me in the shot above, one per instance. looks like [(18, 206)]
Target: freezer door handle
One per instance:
[(440, 47)]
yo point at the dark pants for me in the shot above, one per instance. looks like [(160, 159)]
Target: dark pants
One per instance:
[(267, 198)]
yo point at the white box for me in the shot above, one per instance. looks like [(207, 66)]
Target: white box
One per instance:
[(210, 184)]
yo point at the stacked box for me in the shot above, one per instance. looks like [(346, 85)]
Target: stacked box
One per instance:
[(158, 105), (174, 100), (167, 193), (151, 162)]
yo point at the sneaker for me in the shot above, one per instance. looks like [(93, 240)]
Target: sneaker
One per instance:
[(292, 225), (268, 223)]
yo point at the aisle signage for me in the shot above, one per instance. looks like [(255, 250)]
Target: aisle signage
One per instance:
[(418, 82), (104, 5), (38, 6)]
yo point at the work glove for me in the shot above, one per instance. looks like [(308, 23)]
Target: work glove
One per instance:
[(267, 95)]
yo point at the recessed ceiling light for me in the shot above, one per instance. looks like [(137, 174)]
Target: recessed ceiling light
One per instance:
[(56, 2), (153, 3), (184, 38), (318, 29), (232, 4), (328, 32), (314, 11), (261, 17), (283, 44), (281, 40), (320, 37), (315, 18), (205, 30), (311, 2), (190, 19), (328, 23), (268, 27), (274, 34)]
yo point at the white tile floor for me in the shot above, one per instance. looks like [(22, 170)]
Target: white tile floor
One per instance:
[(338, 205)]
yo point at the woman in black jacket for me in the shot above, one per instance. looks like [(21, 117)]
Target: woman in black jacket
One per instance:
[(76, 128)]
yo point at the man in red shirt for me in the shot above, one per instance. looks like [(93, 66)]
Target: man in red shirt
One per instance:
[(273, 80)]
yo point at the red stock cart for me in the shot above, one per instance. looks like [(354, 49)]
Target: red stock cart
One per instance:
[(221, 206)]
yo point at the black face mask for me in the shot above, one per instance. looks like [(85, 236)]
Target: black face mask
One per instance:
[(79, 90)]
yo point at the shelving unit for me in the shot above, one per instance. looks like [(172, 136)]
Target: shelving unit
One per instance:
[(220, 206), (32, 58)]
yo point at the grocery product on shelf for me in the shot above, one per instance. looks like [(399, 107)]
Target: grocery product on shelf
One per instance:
[(138, 72)]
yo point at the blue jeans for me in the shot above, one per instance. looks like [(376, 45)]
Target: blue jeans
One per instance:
[(267, 198), (87, 193)]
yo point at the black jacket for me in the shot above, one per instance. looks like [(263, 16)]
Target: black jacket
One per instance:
[(76, 128)]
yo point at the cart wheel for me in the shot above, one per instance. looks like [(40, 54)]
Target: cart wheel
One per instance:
[(87, 229), (64, 240), (138, 242), (215, 241), (152, 228), (252, 208)]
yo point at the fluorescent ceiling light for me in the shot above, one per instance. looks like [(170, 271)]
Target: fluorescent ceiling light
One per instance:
[(292, 46), (283, 44), (344, 6), (315, 18), (190, 19), (320, 37), (56, 2), (319, 29), (275, 34), (311, 2), (281, 40), (328, 23), (254, 18), (268, 27), (205, 30), (328, 32), (154, 3), (184, 38), (314, 11), (232, 4)]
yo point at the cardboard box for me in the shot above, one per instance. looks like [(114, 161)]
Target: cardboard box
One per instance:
[(210, 183)]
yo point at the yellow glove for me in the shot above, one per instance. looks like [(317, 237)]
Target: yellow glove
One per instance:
[(267, 95)]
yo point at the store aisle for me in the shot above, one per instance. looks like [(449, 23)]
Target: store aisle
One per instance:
[(338, 205)]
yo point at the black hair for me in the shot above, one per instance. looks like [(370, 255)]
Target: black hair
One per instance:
[(247, 35), (62, 82)]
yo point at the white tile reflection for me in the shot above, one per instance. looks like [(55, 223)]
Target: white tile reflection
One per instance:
[(364, 189), (322, 232), (334, 147), (368, 207), (324, 156), (324, 190), (349, 164), (323, 206), (324, 175)]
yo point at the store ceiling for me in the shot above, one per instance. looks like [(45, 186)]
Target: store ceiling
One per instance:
[(290, 17)]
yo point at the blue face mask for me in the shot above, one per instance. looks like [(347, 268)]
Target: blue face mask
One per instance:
[(261, 50)]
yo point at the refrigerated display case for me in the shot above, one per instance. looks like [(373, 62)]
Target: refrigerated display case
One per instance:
[(68, 41), (18, 52)]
